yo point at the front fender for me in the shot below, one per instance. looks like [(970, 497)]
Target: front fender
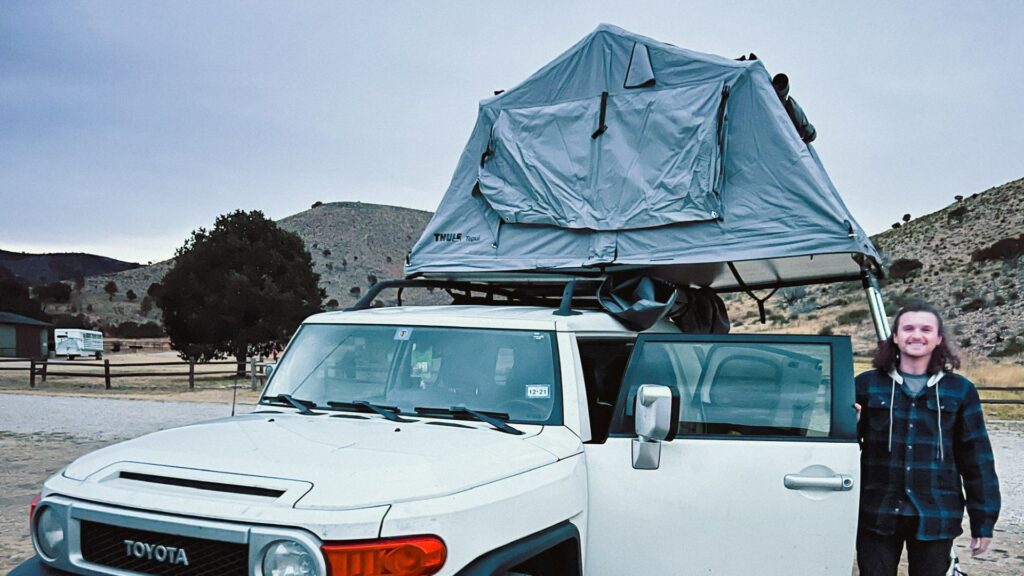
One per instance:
[(505, 558)]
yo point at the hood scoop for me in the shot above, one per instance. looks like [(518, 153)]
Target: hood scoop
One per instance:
[(161, 481), (202, 485)]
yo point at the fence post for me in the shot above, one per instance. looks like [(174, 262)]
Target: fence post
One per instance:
[(106, 372), (32, 373), (191, 372), (252, 373), (45, 364)]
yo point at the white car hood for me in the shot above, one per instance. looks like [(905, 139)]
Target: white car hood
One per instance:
[(333, 463)]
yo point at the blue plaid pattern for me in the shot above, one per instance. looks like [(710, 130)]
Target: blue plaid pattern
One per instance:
[(916, 473)]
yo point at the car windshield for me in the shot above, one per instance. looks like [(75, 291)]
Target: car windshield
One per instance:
[(408, 367)]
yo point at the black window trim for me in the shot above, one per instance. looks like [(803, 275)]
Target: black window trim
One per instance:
[(842, 423)]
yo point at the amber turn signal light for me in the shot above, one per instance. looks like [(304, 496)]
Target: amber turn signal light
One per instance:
[(32, 508), (412, 556)]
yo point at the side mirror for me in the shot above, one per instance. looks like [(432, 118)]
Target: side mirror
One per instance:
[(656, 411)]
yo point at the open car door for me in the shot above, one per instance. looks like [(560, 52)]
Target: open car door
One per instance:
[(762, 475)]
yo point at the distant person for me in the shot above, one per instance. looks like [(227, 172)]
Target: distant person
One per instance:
[(923, 444)]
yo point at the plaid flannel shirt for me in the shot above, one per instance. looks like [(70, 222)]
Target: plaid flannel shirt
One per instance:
[(908, 460)]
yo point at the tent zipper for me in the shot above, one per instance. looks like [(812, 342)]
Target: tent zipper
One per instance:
[(601, 126), (720, 171)]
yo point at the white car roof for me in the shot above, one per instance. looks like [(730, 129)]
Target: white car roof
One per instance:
[(476, 316)]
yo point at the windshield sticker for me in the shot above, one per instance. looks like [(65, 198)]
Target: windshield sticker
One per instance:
[(420, 369), (538, 391), (403, 333)]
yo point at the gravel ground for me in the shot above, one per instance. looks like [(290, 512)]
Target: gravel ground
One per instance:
[(40, 434), (103, 419)]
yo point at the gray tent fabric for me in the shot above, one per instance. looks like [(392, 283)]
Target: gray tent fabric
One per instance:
[(625, 153), (636, 302)]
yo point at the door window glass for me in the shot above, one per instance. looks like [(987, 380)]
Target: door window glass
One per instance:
[(740, 389)]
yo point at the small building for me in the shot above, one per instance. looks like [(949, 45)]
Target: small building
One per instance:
[(22, 337)]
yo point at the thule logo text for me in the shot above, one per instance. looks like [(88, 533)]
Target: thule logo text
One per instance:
[(144, 551), (447, 236)]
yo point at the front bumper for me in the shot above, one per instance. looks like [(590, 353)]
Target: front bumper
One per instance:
[(35, 567)]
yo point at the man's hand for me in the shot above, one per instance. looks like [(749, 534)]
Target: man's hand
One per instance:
[(979, 546), (857, 408)]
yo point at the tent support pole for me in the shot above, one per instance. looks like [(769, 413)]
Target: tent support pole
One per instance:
[(878, 318)]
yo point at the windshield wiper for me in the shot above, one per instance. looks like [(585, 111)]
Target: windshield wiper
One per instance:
[(492, 418), (303, 406), (389, 412)]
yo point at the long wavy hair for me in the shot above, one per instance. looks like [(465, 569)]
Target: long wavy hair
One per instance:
[(944, 357)]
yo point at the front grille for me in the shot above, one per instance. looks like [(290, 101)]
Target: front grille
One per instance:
[(106, 545)]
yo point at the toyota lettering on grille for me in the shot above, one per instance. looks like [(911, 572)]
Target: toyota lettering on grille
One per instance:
[(160, 553)]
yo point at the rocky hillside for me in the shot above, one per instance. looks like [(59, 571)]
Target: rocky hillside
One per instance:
[(967, 259), (352, 245), (36, 269)]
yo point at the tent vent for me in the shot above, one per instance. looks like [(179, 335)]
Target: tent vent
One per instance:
[(639, 73)]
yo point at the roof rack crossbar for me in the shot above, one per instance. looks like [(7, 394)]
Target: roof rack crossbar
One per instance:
[(565, 295)]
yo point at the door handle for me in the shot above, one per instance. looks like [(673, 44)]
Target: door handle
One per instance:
[(838, 482)]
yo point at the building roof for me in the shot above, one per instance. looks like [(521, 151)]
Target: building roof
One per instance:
[(12, 318)]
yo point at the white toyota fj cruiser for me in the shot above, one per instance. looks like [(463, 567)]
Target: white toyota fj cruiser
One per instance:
[(487, 439)]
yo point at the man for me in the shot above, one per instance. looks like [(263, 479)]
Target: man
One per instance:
[(924, 444)]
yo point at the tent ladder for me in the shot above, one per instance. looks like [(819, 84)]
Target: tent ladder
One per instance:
[(878, 318)]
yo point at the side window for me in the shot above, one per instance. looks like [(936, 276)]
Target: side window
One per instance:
[(603, 362), (741, 388)]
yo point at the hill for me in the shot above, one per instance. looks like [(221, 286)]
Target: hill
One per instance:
[(352, 244), (967, 259), (39, 269)]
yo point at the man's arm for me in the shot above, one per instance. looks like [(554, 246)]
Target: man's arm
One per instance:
[(861, 392), (976, 465)]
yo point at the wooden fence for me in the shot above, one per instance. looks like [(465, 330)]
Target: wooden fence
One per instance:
[(40, 370), (258, 373), (1015, 389)]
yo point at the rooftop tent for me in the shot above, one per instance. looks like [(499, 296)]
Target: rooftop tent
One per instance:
[(627, 154)]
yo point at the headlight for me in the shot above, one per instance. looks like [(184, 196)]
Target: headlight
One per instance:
[(287, 558), (49, 532)]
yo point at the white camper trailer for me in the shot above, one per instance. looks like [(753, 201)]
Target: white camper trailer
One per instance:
[(72, 342)]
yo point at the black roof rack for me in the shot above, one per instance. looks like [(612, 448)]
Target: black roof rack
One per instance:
[(563, 294)]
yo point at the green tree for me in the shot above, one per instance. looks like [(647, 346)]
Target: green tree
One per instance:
[(55, 292), (110, 288), (239, 289), (15, 297)]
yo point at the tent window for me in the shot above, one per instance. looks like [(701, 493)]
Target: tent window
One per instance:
[(639, 73), (655, 165)]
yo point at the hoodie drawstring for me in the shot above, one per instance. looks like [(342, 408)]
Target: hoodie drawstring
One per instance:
[(892, 400), (938, 403)]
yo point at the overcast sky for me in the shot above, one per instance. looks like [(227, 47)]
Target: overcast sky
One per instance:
[(125, 125)]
